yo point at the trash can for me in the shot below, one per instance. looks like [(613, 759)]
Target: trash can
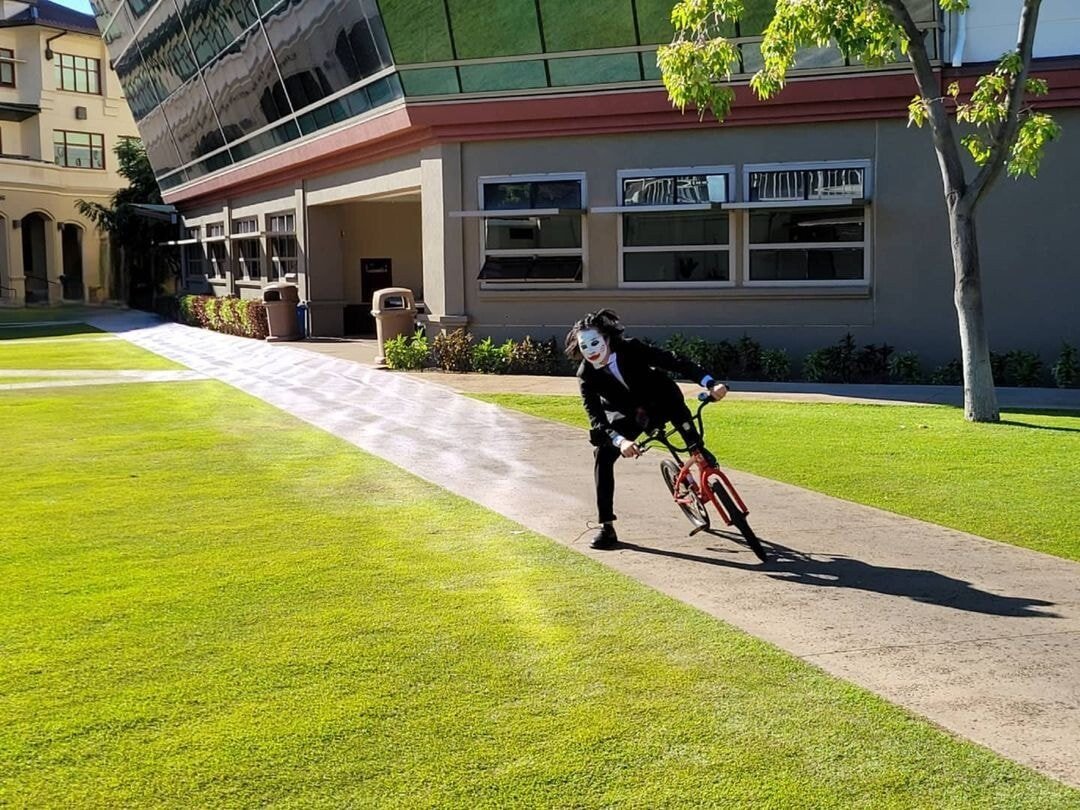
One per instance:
[(281, 300), (394, 310)]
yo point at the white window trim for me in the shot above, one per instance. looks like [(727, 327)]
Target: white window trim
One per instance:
[(866, 245), (583, 251), (624, 174), (858, 163)]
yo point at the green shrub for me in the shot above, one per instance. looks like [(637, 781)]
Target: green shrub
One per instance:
[(833, 364), (1023, 369), (872, 363), (775, 365), (1066, 370), (952, 373), (487, 358), (748, 359), (904, 368), (233, 316), (452, 351), (407, 352), (536, 357)]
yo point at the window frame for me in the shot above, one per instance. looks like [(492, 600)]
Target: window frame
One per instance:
[(862, 205), (239, 238), (628, 174), (278, 267), (191, 254), (10, 62), (485, 214), (58, 72), (216, 236), (104, 163)]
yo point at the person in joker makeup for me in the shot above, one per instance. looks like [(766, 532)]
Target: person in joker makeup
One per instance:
[(626, 391)]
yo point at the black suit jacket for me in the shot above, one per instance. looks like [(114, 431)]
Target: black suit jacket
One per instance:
[(647, 387)]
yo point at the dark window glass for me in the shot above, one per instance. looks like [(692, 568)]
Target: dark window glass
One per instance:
[(325, 47), (247, 253), (676, 228), (812, 264), (650, 71), (494, 27), (165, 51), (757, 14), (172, 181), (79, 150), (120, 32), (430, 81), (140, 7), (351, 104), (417, 31), (654, 21), (509, 269), (77, 74), (537, 194), (570, 25), (158, 139), (212, 25), (676, 266), (192, 118), (241, 83), (137, 83), (611, 68), (769, 226), (503, 76), (384, 91), (806, 184), (265, 140), (7, 69), (532, 233)]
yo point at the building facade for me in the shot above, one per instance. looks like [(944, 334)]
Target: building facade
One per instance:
[(517, 162), (62, 110)]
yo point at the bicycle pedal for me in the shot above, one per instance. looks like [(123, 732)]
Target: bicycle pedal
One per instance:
[(696, 530)]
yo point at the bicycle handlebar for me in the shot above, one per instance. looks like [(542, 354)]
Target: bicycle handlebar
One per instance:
[(660, 435)]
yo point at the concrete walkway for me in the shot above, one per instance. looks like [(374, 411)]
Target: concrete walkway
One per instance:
[(980, 637)]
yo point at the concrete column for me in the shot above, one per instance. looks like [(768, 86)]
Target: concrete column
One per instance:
[(443, 251), (54, 260), (230, 254), (16, 268)]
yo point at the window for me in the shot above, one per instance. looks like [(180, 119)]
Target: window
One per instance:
[(217, 256), (246, 239), (7, 67), (532, 230), (191, 253), (808, 224), (283, 250), (79, 74), (679, 234), (79, 150)]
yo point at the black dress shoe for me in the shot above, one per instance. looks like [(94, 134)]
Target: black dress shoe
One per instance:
[(605, 538)]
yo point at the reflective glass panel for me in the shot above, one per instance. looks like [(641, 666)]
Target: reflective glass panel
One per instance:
[(137, 83), (430, 81), (120, 32), (158, 140), (570, 25), (676, 266), (166, 51), (212, 25), (649, 69), (140, 7), (503, 76), (494, 27), (536, 194), (324, 47), (807, 184), (194, 126), (757, 14), (510, 269), (654, 21), (676, 228), (818, 264), (417, 31), (242, 83), (611, 68), (922, 11), (778, 226), (532, 233), (675, 189), (265, 140)]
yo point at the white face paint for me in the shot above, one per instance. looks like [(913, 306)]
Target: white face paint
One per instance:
[(594, 347)]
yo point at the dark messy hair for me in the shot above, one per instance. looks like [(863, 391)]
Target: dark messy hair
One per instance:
[(603, 321)]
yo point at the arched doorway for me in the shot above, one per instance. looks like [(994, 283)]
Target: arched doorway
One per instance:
[(35, 263), (73, 263), (7, 292)]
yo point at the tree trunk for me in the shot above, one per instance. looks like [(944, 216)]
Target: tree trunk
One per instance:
[(980, 399)]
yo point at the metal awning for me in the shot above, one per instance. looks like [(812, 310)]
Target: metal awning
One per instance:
[(9, 111), (162, 213), (516, 212)]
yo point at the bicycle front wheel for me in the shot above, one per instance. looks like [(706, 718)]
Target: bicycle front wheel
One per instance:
[(693, 508), (738, 519)]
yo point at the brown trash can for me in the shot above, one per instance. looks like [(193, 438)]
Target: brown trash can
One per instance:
[(281, 300), (394, 309)]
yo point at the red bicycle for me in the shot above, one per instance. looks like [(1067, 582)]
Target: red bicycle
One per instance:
[(695, 482)]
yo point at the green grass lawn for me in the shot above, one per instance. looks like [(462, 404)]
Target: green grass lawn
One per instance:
[(1016, 482), (207, 603), (88, 354)]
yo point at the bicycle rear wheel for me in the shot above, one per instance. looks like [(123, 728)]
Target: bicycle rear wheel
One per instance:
[(738, 519), (694, 510)]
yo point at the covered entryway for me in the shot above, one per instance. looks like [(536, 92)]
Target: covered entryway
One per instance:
[(72, 280), (7, 289), (35, 258)]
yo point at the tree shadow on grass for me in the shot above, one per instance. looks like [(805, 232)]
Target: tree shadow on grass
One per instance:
[(1032, 426), (840, 571)]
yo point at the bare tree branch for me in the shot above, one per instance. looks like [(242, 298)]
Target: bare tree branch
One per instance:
[(1006, 133), (941, 127)]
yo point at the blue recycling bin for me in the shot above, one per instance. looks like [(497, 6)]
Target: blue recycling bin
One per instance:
[(301, 319)]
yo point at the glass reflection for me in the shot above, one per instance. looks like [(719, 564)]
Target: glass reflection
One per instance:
[(570, 25), (245, 87), (610, 68), (119, 33), (192, 118), (213, 25), (418, 31), (165, 50), (137, 83), (494, 27), (158, 140)]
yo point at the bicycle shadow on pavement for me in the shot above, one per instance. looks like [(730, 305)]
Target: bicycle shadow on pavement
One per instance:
[(841, 571)]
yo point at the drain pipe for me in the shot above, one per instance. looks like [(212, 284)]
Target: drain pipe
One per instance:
[(961, 39), (49, 53)]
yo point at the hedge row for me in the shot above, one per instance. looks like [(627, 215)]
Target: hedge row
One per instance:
[(745, 359), (233, 316)]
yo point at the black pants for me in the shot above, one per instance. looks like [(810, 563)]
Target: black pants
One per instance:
[(606, 454)]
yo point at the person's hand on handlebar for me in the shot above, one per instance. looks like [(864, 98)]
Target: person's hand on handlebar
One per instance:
[(629, 449), (718, 391)]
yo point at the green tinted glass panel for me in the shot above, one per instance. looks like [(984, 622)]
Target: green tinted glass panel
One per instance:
[(571, 25), (654, 21), (619, 67), (756, 16), (417, 30), (494, 27), (503, 76), (429, 81), (650, 70)]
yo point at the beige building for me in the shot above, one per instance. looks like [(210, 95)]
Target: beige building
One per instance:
[(62, 110)]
